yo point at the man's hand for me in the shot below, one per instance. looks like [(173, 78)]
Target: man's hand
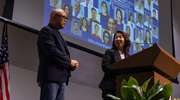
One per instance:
[(74, 64)]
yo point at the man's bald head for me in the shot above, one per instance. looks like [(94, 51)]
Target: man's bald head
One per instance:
[(58, 18), (54, 12)]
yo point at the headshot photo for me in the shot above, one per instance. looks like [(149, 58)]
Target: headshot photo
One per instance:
[(93, 15), (148, 36), (56, 3), (84, 25), (155, 2), (139, 36), (119, 15), (106, 37), (68, 9), (96, 30), (137, 47), (128, 31), (139, 20), (111, 25), (147, 4), (154, 15), (148, 20), (103, 8), (139, 6), (155, 32), (78, 10), (75, 28), (130, 22), (87, 3)]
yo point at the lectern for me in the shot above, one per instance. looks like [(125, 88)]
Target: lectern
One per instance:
[(153, 61)]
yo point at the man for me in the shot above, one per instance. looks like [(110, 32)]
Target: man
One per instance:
[(148, 5), (147, 23), (139, 23), (76, 30), (93, 14), (111, 24), (96, 30), (155, 2), (128, 31), (155, 32), (138, 7), (77, 8), (137, 47), (54, 58), (56, 3), (86, 3), (139, 39), (154, 15)]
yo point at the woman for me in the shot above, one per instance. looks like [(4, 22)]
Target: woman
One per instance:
[(148, 37), (119, 16), (119, 51), (106, 37), (67, 8), (104, 9), (84, 25), (131, 25), (131, 21)]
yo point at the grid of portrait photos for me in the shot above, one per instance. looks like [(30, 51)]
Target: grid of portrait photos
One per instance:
[(96, 21)]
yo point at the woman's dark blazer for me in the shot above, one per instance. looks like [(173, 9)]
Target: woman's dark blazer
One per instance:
[(108, 82)]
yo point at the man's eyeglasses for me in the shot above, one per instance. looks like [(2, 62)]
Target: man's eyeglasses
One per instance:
[(62, 16)]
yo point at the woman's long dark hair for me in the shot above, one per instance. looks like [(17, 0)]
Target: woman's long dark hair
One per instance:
[(127, 41), (120, 13), (146, 39), (103, 2), (109, 42)]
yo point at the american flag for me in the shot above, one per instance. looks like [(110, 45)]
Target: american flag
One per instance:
[(4, 67)]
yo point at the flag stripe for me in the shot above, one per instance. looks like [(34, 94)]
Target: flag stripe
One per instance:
[(6, 71), (3, 86), (4, 67)]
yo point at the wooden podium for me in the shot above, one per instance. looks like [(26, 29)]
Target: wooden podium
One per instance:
[(153, 61)]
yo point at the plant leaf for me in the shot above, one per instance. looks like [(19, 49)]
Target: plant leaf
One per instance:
[(129, 93), (132, 91), (113, 97), (126, 92), (144, 86), (168, 88), (165, 93), (154, 90), (138, 92), (132, 81)]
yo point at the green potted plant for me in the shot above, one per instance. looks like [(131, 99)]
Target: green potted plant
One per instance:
[(132, 91)]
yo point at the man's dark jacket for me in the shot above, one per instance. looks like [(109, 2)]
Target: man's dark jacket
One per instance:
[(54, 56)]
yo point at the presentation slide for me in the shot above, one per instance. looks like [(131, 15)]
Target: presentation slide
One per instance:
[(92, 23)]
